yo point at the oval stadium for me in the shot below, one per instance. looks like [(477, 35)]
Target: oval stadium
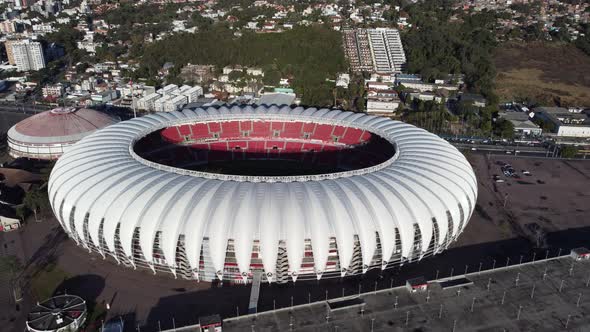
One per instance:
[(287, 192)]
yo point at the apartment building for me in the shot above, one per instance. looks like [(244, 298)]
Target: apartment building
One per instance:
[(374, 50), (27, 55), (387, 50), (170, 98)]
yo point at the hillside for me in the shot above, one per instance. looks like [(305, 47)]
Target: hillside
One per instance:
[(543, 73)]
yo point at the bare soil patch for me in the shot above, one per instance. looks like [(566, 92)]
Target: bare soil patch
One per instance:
[(546, 73)]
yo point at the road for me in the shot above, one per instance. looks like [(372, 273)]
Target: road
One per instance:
[(521, 150), (23, 108)]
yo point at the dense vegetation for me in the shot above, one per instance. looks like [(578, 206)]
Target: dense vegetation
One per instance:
[(437, 46), (583, 42), (308, 55)]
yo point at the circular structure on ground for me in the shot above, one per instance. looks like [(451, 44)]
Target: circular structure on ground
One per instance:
[(49, 134), (344, 192), (56, 314)]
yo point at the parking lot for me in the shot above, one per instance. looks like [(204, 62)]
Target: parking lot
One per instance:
[(552, 198), (545, 296)]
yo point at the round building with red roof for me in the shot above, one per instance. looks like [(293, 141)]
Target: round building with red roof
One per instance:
[(49, 134)]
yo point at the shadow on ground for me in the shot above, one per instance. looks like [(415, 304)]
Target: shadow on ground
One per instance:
[(88, 286), (227, 301)]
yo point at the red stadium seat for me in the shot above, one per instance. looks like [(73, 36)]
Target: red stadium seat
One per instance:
[(352, 136), (245, 126), (214, 127), (256, 146), (312, 147), (293, 147), (339, 131), (218, 146), (309, 128), (366, 136), (184, 130), (200, 131), (260, 129), (323, 132), (328, 147), (292, 130), (230, 129), (276, 125), (172, 135), (242, 145), (280, 145)]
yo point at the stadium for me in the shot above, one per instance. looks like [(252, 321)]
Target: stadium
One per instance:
[(290, 193), (49, 134)]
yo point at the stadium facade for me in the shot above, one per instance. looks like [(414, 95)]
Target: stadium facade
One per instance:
[(49, 134), (366, 192)]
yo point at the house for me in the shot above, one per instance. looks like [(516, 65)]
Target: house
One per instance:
[(473, 99), (424, 96), (254, 72), (417, 284), (53, 91), (375, 85), (228, 69), (580, 253), (523, 126), (211, 323), (343, 80), (8, 219)]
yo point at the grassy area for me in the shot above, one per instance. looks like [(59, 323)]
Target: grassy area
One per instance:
[(46, 281), (543, 73)]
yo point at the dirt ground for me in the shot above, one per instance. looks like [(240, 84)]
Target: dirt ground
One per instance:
[(547, 73), (555, 197)]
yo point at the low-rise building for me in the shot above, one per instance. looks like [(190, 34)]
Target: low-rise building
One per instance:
[(382, 101), (423, 96), (254, 72), (103, 97), (147, 102), (193, 93), (53, 91), (523, 126), (567, 122), (473, 99), (343, 80), (175, 103)]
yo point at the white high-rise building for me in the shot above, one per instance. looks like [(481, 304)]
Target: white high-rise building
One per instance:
[(28, 55), (387, 50)]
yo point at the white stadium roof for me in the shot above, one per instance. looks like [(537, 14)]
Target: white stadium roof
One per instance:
[(100, 186)]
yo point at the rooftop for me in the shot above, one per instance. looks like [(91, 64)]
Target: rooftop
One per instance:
[(59, 125)]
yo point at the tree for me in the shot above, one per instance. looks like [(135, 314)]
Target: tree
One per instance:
[(235, 75), (504, 128), (271, 77), (569, 151), (547, 126), (37, 200), (202, 23)]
